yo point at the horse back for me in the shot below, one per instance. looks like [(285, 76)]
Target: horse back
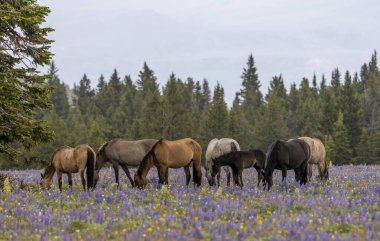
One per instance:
[(128, 152), (298, 152), (317, 149), (178, 153)]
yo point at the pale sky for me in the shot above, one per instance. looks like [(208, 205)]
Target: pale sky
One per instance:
[(212, 38)]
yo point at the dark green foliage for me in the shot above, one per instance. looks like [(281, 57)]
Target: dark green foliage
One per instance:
[(272, 120), (238, 126), (216, 122), (341, 150), (251, 96), (176, 115), (58, 97), (351, 105), (138, 109), (23, 47)]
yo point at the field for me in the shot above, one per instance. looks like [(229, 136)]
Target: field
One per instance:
[(344, 208)]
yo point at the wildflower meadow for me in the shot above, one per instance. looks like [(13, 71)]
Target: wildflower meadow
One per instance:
[(346, 207)]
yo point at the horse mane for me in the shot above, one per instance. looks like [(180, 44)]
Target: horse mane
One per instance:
[(144, 161), (101, 149)]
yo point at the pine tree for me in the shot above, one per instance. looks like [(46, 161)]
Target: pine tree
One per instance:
[(364, 148), (217, 117), (375, 145), (272, 121), (293, 101), (127, 107), (176, 118), (97, 130), (329, 145), (147, 81), (372, 94), (307, 111), (351, 108), (84, 95), (328, 112), (342, 153), (24, 48), (238, 126), (335, 82), (151, 121), (250, 94), (59, 94)]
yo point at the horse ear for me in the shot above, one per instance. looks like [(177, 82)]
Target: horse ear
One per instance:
[(42, 175)]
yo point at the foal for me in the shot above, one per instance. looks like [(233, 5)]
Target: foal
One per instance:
[(239, 160)]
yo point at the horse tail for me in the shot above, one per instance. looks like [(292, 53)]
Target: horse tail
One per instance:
[(197, 163), (326, 171), (90, 167), (233, 146)]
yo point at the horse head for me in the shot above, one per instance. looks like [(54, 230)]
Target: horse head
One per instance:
[(140, 181), (44, 182), (215, 169)]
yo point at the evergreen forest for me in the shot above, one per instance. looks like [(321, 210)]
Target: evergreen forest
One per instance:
[(342, 109)]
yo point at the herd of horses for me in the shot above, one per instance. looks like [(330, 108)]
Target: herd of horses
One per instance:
[(295, 154)]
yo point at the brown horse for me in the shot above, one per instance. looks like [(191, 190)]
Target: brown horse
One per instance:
[(70, 160), (171, 154), (317, 157)]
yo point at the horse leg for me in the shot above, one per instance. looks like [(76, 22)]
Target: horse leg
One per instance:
[(284, 179), (116, 169), (310, 171), (320, 170), (167, 176), (83, 180), (241, 179), (161, 175), (258, 175), (59, 176), (228, 174), (69, 176), (236, 178), (188, 175), (218, 178), (126, 170)]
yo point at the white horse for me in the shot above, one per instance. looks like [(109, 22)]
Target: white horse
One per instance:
[(216, 148)]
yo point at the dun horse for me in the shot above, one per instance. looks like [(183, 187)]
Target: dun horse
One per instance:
[(317, 157), (216, 148), (239, 160), (284, 156), (171, 154), (123, 153), (70, 160)]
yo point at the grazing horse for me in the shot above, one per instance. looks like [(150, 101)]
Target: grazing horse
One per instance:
[(216, 148), (70, 160), (317, 157), (239, 160), (123, 153), (171, 154), (281, 155)]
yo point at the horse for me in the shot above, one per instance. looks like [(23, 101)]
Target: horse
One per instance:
[(171, 154), (239, 160), (216, 148), (70, 160), (124, 153), (281, 155), (317, 157)]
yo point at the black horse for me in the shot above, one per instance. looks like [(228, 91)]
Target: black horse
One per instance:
[(239, 160), (287, 155)]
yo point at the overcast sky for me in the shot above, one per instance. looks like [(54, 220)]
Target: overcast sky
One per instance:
[(212, 38)]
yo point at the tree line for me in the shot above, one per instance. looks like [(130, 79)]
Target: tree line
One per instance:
[(342, 111)]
